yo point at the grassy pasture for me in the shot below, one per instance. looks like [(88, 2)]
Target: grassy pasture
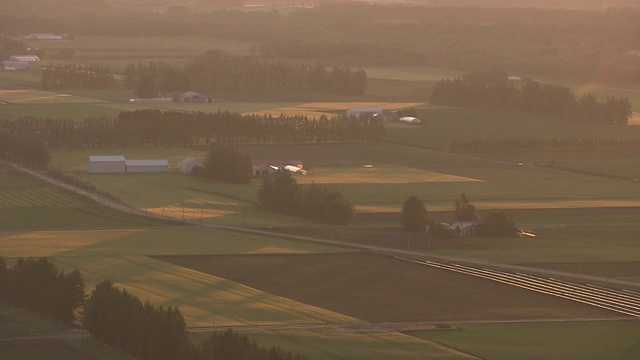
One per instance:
[(441, 126), (117, 52), (615, 340), (401, 172)]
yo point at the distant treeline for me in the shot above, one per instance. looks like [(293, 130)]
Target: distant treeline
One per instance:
[(218, 71), (73, 76), (493, 90), (543, 144), (37, 285), (169, 128), (588, 44), (24, 148)]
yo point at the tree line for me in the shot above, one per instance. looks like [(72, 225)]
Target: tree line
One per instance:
[(542, 144), (26, 149), (493, 90), (281, 193), (168, 128), (74, 76), (37, 285), (217, 71)]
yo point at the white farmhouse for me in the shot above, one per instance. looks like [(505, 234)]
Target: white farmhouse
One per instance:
[(106, 164)]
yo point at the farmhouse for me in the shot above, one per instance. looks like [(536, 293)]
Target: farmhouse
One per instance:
[(16, 65), (464, 228), (147, 166), (409, 120), (186, 166), (106, 164), (265, 170)]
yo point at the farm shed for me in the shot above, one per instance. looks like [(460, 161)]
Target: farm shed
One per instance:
[(28, 58), (409, 120), (106, 164), (147, 166), (186, 166), (259, 165), (192, 96)]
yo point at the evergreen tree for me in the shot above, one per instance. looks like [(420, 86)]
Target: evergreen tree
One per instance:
[(414, 214), (464, 210)]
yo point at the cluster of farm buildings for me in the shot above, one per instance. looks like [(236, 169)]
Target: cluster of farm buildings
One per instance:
[(118, 164), (384, 115)]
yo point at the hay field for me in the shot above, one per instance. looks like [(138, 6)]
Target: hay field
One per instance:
[(32, 96)]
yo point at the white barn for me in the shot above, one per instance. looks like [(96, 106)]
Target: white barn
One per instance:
[(106, 164), (186, 166), (147, 166)]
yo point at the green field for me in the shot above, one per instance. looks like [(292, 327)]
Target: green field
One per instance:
[(555, 340)]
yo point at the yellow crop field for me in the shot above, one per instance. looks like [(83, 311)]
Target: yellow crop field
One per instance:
[(32, 96), (377, 175)]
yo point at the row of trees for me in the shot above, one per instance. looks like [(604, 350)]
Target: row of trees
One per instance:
[(74, 76), (165, 128), (539, 144), (496, 223), (495, 91), (27, 149), (225, 164), (142, 330), (217, 71), (281, 193), (37, 285), (150, 332)]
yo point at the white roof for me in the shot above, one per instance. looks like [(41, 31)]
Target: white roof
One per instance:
[(107, 158), (147, 163)]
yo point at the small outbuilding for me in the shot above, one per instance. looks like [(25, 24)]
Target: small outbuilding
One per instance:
[(106, 164), (464, 228), (186, 166), (147, 166)]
